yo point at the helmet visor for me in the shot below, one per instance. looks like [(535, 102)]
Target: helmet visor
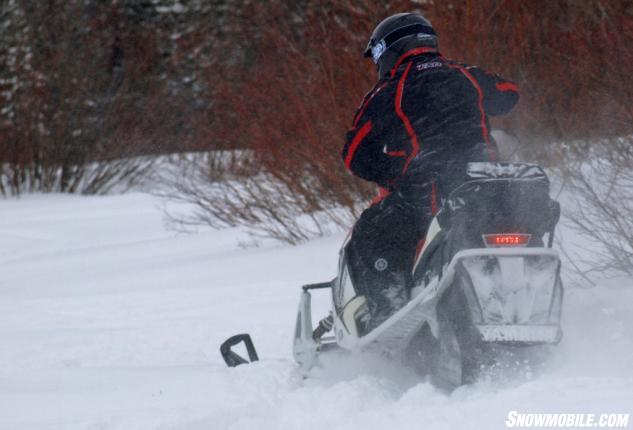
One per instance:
[(375, 49)]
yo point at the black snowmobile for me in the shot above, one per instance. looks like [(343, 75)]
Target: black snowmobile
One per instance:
[(486, 279)]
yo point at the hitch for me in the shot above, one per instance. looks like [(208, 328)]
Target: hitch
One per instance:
[(231, 358)]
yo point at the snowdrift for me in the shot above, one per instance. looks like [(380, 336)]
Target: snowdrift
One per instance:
[(109, 320)]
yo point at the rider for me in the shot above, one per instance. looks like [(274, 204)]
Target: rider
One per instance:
[(413, 135)]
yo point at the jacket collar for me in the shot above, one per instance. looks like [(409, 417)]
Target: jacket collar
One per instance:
[(412, 53)]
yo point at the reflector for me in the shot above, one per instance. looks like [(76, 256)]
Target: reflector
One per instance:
[(507, 239)]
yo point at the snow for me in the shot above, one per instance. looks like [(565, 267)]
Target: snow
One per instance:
[(110, 320)]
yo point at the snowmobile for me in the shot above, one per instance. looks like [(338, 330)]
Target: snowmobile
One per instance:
[(486, 281), (486, 278)]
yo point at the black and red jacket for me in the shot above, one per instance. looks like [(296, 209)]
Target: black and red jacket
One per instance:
[(427, 118)]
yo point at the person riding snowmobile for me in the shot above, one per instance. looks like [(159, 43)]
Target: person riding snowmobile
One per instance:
[(413, 135)]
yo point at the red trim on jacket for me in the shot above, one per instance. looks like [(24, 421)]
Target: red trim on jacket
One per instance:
[(382, 194), (491, 152), (358, 138), (415, 146), (410, 53), (418, 248), (361, 111), (507, 86)]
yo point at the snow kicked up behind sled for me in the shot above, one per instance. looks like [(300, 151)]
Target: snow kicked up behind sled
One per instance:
[(110, 321)]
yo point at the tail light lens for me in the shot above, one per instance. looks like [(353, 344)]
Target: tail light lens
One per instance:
[(506, 239)]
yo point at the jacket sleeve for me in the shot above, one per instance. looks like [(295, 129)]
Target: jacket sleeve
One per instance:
[(500, 95), (364, 152)]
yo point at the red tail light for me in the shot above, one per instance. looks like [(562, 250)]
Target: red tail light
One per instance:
[(513, 239)]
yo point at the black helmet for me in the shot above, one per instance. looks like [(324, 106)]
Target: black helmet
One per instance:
[(396, 35)]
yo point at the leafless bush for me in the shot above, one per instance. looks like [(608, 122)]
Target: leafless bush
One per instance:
[(571, 59), (228, 189), (293, 103), (599, 207), (82, 98), (99, 177), (290, 108)]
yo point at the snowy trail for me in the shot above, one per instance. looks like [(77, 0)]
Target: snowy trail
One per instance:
[(109, 321)]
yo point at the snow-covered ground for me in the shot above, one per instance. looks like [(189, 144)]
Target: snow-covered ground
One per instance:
[(109, 320)]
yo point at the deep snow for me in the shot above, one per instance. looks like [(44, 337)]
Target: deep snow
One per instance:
[(109, 320)]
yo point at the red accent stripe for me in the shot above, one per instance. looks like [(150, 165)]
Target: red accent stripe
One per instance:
[(364, 106), (412, 52), (362, 133), (419, 247), (491, 152), (397, 154), (507, 86), (382, 194), (434, 208), (415, 146)]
